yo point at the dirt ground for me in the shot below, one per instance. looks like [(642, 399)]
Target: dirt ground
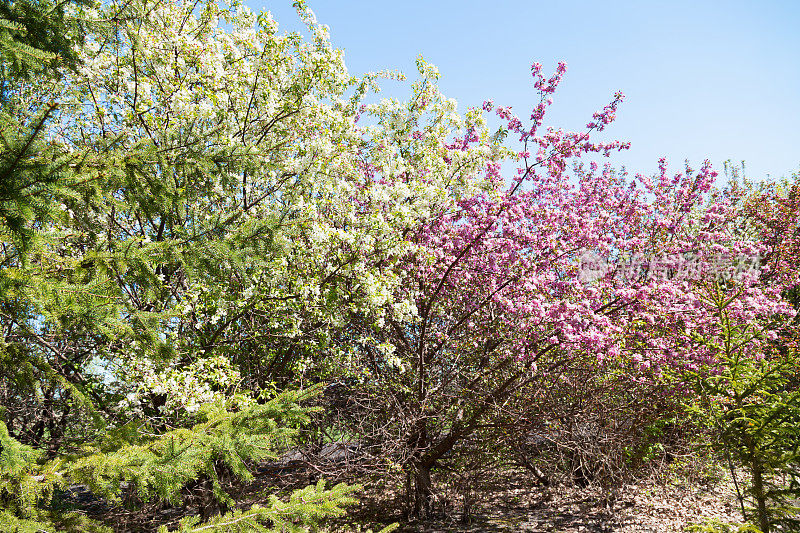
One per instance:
[(642, 508), (656, 505), (647, 506)]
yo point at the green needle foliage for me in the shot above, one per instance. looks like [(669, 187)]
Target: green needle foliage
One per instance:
[(18, 490), (30, 170), (162, 466), (38, 42), (26, 490), (717, 526), (306, 507), (38, 35)]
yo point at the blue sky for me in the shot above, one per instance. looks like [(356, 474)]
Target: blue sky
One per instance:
[(703, 79)]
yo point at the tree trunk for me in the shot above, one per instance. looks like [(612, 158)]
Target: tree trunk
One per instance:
[(757, 474), (760, 496), (422, 491), (420, 469)]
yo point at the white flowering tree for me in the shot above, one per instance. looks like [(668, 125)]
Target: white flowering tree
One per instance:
[(225, 205), (214, 227)]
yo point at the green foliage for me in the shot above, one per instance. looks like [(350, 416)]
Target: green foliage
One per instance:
[(306, 508), (12, 523), (755, 408), (713, 525), (164, 466), (18, 491), (66, 523), (14, 457), (26, 489), (29, 170), (37, 35)]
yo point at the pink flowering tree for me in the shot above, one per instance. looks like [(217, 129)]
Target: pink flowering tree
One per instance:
[(513, 278)]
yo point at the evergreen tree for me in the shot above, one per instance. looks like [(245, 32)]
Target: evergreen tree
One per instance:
[(38, 42), (39, 36)]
